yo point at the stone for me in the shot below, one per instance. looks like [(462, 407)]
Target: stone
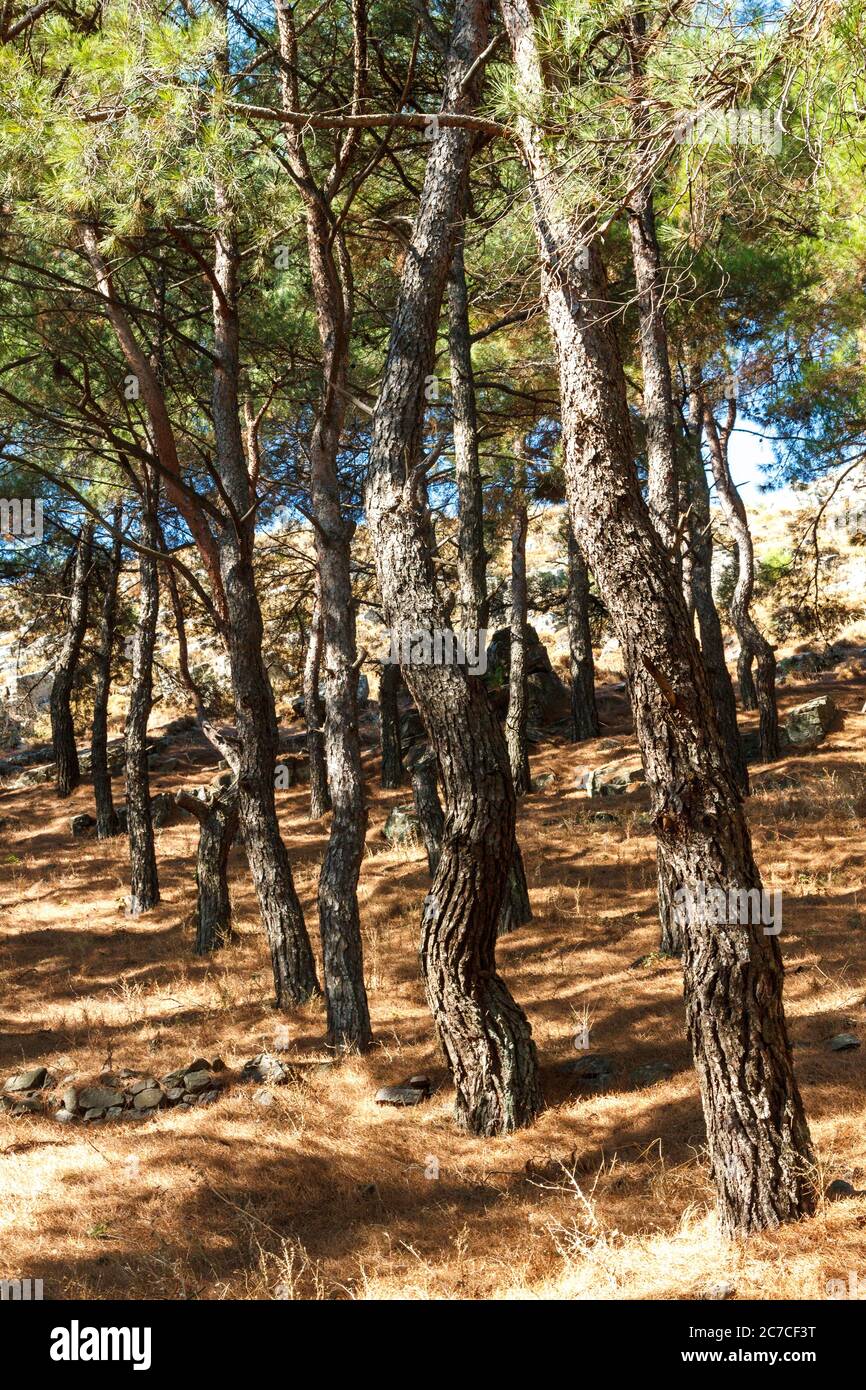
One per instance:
[(650, 1072), (809, 724), (32, 1080), (218, 1064), (195, 1081), (24, 1105), (200, 1064), (615, 779), (603, 818), (95, 1113), (175, 1094), (419, 1083), (399, 1095), (402, 826), (720, 1291), (547, 697), (81, 825), (267, 1068), (69, 1100), (839, 1188), (544, 779), (64, 1117), (99, 1098), (593, 1066), (162, 809), (114, 1113), (209, 1097), (141, 1085), (843, 1042), (149, 1099)]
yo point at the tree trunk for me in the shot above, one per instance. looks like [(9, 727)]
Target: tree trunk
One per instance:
[(428, 808), (516, 718), (471, 555), (759, 1146), (68, 775), (584, 713), (255, 715), (218, 826), (516, 907), (106, 817), (389, 726), (314, 714), (709, 624), (484, 1035), (753, 643), (144, 888), (330, 272)]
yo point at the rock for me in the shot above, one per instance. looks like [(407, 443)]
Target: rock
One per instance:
[(614, 779), (720, 1291), (839, 1188), (548, 699), (64, 1117), (650, 1072), (545, 779), (591, 1067), (32, 1080), (810, 723), (200, 1064), (149, 1099), (23, 1105), (399, 1095), (141, 1085), (208, 1097), (80, 825), (99, 1098), (70, 1099), (402, 826), (162, 809), (95, 1113), (195, 1081), (114, 1113), (419, 1083), (603, 818), (267, 1068), (843, 1042), (218, 1064), (175, 1094)]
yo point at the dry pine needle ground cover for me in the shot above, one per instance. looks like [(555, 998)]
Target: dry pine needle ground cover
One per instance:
[(314, 1191)]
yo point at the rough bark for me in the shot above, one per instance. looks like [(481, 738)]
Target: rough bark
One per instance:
[(330, 271), (517, 715), (484, 1035), (389, 726), (753, 643), (758, 1140), (314, 714), (584, 713), (471, 556), (106, 817), (144, 879), (218, 826), (68, 773)]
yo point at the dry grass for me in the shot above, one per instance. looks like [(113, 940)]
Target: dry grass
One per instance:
[(313, 1191)]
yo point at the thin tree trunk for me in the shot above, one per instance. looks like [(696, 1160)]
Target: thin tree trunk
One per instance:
[(584, 713), (144, 886), (106, 816), (218, 826), (314, 714), (658, 405), (291, 952), (485, 1036), (709, 623), (330, 271), (428, 807), (517, 716), (753, 643), (68, 774), (471, 555), (389, 726), (760, 1152)]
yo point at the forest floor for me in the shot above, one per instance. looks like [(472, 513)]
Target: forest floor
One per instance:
[(320, 1192)]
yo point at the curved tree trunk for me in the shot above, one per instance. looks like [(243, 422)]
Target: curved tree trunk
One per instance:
[(759, 1146), (753, 643), (314, 714), (485, 1036), (144, 885), (218, 826), (517, 716), (330, 272), (389, 726), (68, 774), (106, 817), (584, 713)]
